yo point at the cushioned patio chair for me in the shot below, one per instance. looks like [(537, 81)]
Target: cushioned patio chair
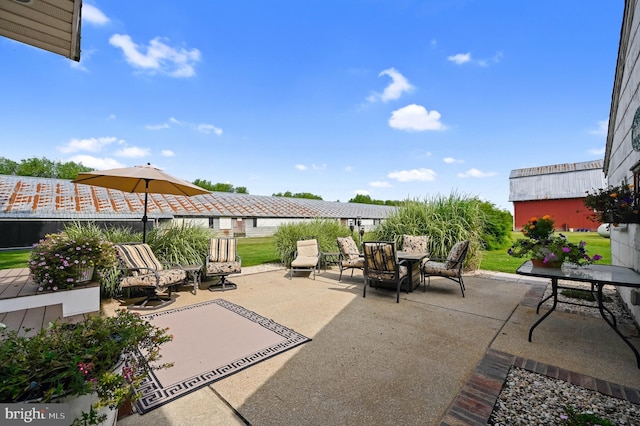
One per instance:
[(306, 257), (450, 268), (416, 244), (381, 266), (222, 261), (350, 257), (141, 269)]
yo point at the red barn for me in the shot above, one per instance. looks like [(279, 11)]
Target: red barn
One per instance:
[(556, 190)]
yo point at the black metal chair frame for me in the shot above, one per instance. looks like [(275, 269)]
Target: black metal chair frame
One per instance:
[(459, 264), (380, 266)]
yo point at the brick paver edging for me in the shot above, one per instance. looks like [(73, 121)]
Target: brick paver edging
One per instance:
[(474, 404)]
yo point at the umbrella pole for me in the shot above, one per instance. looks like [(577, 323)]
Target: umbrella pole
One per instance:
[(144, 218)]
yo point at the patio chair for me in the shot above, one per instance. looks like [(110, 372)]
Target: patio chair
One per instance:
[(222, 261), (306, 257), (416, 244), (381, 266), (450, 268), (350, 257), (141, 269)]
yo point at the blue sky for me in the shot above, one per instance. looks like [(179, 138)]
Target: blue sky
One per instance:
[(394, 99)]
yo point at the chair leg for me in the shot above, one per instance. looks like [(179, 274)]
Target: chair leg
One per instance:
[(461, 286), (340, 277), (152, 296), (223, 285)]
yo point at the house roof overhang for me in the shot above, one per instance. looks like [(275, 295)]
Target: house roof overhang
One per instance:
[(52, 25)]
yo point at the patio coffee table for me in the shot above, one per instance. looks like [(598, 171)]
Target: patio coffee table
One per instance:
[(414, 260)]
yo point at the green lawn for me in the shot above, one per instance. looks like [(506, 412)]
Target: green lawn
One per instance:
[(256, 251)]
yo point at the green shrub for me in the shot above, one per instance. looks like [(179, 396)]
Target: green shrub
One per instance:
[(324, 230), (184, 243), (498, 225), (446, 220)]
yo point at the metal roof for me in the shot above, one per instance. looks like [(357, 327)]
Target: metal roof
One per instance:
[(52, 25), (44, 198), (558, 181)]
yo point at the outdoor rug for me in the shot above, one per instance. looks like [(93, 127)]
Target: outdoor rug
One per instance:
[(211, 340)]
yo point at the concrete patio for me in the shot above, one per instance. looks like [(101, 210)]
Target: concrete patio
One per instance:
[(434, 358)]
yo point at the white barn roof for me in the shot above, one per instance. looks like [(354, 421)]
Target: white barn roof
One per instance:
[(559, 181), (42, 198)]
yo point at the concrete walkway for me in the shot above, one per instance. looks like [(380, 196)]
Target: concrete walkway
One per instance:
[(434, 358)]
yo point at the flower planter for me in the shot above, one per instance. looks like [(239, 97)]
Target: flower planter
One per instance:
[(621, 217), (84, 274), (541, 264)]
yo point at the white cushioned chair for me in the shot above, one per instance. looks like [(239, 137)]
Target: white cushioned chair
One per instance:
[(222, 261), (306, 257), (141, 269)]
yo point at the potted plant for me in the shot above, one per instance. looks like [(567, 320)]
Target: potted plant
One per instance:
[(614, 204), (59, 261), (546, 249), (105, 355)]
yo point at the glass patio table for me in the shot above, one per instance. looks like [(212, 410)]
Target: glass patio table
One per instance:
[(597, 275)]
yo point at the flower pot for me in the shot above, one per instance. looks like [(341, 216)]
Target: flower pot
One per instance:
[(541, 264), (84, 274), (621, 217)]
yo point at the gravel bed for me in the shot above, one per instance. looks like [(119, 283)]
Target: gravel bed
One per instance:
[(534, 399), (614, 303)]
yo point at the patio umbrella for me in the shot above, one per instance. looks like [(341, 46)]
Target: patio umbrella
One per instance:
[(145, 178)]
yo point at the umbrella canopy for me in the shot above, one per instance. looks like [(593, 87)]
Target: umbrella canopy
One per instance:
[(145, 178)]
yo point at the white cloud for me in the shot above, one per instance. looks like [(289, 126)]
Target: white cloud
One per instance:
[(156, 126), (399, 85), (112, 117), (422, 175), (88, 144), (460, 58), (93, 15), (157, 56), (415, 118), (96, 163), (167, 153), (208, 128), (348, 169), (475, 173), (316, 167), (463, 58), (380, 184), (598, 151), (451, 160), (301, 167), (361, 192), (602, 130), (133, 152), (202, 128)]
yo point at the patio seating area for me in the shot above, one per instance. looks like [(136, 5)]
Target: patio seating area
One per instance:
[(432, 359)]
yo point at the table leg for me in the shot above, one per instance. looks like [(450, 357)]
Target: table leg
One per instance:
[(613, 324), (554, 294)]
